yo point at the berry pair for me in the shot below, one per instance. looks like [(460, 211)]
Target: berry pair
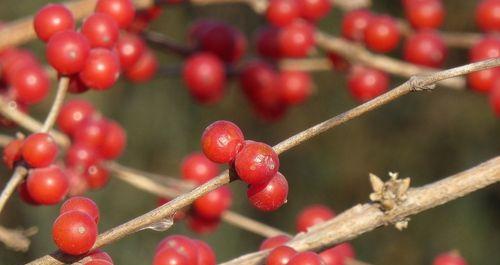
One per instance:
[(181, 250)]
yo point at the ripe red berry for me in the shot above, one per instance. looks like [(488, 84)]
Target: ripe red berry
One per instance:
[(488, 47), (296, 39), (382, 34), (47, 185), (81, 155), (354, 24), (338, 255), (144, 68), (213, 204), (449, 258), (39, 150), (223, 40), (12, 152), (169, 256), (495, 98), (482, 81), (91, 131), (76, 86), (77, 183), (425, 14), (122, 11), (425, 48), (182, 245), (73, 113), (74, 232), (256, 162), (367, 83), (269, 196), (314, 10), (206, 255), (99, 255), (221, 141), (197, 168), (31, 84), (266, 42), (488, 15), (306, 258), (98, 262), (280, 255), (313, 215), (130, 49), (205, 78), (295, 86), (273, 242), (67, 52), (51, 19), (24, 194), (97, 176), (101, 70), (101, 30), (114, 141), (202, 225), (282, 12), (14, 59), (82, 204)]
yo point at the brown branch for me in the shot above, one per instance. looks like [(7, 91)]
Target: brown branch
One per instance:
[(17, 239), (56, 105), (166, 43), (306, 64), (169, 209), (17, 177)]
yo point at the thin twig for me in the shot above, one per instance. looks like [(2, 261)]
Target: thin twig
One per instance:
[(19, 173), (306, 64), (17, 239), (56, 105), (164, 42)]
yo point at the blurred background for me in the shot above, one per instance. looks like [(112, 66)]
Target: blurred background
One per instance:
[(425, 136)]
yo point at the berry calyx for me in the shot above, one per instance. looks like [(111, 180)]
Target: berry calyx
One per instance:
[(39, 150), (256, 162), (74, 232), (270, 195), (221, 141)]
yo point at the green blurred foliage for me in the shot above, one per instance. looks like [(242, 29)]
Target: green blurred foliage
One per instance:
[(424, 136)]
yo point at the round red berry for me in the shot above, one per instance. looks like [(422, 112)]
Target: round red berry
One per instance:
[(39, 150), (24, 194), (314, 10), (122, 11), (354, 24), (74, 232), (306, 258), (273, 242), (296, 39), (51, 19), (197, 168), (182, 245), (82, 204), (282, 12), (449, 258), (99, 255), (213, 204), (144, 68), (382, 34), (206, 255), (425, 14), (425, 48), (73, 113), (14, 59), (97, 176), (101, 30), (81, 155), (48, 185), (495, 98), (338, 255), (312, 216), (12, 152), (130, 48), (280, 255), (270, 195), (488, 15), (295, 86), (91, 131), (67, 52), (202, 225), (367, 83), (170, 256), (223, 40), (101, 69), (205, 77), (221, 141), (486, 48), (77, 183), (114, 141), (256, 162), (482, 81), (31, 84), (266, 42)]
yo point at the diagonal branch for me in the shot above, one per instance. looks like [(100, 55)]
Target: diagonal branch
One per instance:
[(17, 239), (56, 105)]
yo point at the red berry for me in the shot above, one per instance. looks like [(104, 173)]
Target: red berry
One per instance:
[(269, 196), (77, 183), (74, 232), (99, 255), (282, 12), (130, 48), (97, 176), (221, 141), (306, 258), (114, 141), (486, 48), (488, 15), (81, 155), (76, 85), (425, 13), (169, 256), (144, 68), (482, 81), (367, 83), (11, 60), (295, 86), (205, 78), (101, 70), (382, 34), (182, 245), (202, 225), (296, 39), (223, 40), (91, 131), (73, 113), (197, 168), (354, 24), (82, 204), (495, 98), (24, 194), (98, 262), (101, 30), (47, 185), (266, 42), (39, 150), (449, 258), (273, 242), (67, 52), (31, 84), (314, 10), (280, 255), (256, 162), (213, 204), (51, 19), (338, 255), (206, 255), (425, 48), (313, 215), (122, 11), (12, 152)]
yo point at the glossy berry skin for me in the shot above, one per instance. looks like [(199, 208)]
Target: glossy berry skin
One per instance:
[(24, 194), (205, 78), (169, 256), (282, 12), (51, 19), (14, 59), (91, 131), (122, 11), (338, 255), (482, 81), (12, 152), (367, 83), (97, 176), (144, 69), (115, 141), (39, 150), (221, 141), (266, 42), (129, 48), (295, 86), (313, 215), (449, 258), (273, 242), (425, 14), (314, 10), (225, 41), (306, 258), (101, 69), (101, 30), (74, 232), (76, 86), (425, 48), (197, 168), (77, 183), (213, 204), (256, 162), (486, 48), (206, 255), (280, 255), (31, 84), (495, 98), (296, 39), (99, 255), (269, 196), (82, 204), (382, 34), (81, 156), (72, 113), (354, 24), (182, 245), (202, 225), (47, 185), (488, 15), (67, 52), (98, 262)]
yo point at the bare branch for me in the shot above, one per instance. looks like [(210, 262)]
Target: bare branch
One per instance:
[(56, 105), (166, 43), (19, 173), (17, 239)]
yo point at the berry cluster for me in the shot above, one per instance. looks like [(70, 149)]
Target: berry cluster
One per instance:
[(181, 250)]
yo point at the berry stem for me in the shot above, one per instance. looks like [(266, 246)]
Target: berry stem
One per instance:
[(56, 105), (19, 173)]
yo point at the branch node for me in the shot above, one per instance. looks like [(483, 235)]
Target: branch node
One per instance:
[(418, 84), (389, 194), (403, 224)]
